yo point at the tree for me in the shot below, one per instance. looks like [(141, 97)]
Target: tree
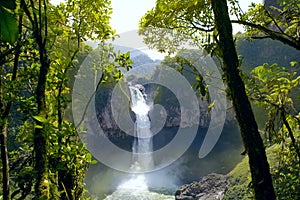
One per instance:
[(214, 30), (39, 25), (259, 167)]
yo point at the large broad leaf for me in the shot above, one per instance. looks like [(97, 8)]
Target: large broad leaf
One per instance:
[(10, 4), (40, 119), (8, 26)]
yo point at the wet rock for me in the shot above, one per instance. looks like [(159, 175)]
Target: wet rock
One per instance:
[(211, 187)]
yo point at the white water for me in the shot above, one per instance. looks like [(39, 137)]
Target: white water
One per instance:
[(136, 187), (142, 147)]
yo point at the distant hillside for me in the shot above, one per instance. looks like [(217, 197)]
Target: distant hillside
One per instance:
[(136, 55), (257, 52)]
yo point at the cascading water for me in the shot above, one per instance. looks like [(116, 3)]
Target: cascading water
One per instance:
[(142, 146), (136, 187)]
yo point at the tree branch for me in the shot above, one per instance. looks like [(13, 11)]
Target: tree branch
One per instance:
[(272, 34), (273, 19), (290, 132)]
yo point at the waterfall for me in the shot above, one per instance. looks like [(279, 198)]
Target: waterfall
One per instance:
[(142, 145), (136, 186)]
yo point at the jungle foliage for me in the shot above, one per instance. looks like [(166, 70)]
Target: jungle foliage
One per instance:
[(41, 48)]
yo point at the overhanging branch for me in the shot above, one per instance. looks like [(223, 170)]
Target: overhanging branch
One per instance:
[(271, 34)]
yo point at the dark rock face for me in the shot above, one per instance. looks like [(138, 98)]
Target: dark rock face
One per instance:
[(211, 187)]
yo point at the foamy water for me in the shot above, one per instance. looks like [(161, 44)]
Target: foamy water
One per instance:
[(136, 188)]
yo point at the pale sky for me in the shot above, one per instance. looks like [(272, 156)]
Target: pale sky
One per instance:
[(127, 13)]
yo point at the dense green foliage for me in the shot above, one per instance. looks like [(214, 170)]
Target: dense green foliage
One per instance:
[(36, 68), (271, 87)]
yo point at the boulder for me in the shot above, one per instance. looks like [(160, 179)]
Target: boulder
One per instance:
[(210, 187)]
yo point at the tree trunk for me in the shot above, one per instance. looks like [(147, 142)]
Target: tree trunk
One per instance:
[(4, 159), (4, 111), (40, 135), (259, 167)]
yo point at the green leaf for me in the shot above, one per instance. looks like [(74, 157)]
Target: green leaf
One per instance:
[(38, 126), (293, 63), (10, 4), (88, 157), (8, 26), (93, 162), (40, 119), (211, 105)]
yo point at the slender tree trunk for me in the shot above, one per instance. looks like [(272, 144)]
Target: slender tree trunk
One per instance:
[(41, 145), (259, 167), (4, 155), (290, 132), (4, 159), (40, 135)]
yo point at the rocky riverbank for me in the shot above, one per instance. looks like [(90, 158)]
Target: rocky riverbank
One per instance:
[(210, 187)]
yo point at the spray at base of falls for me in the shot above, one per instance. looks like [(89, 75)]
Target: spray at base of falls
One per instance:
[(136, 188)]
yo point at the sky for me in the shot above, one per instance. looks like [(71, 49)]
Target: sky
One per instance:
[(127, 13)]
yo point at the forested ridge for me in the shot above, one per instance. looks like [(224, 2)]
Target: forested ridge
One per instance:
[(42, 47)]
